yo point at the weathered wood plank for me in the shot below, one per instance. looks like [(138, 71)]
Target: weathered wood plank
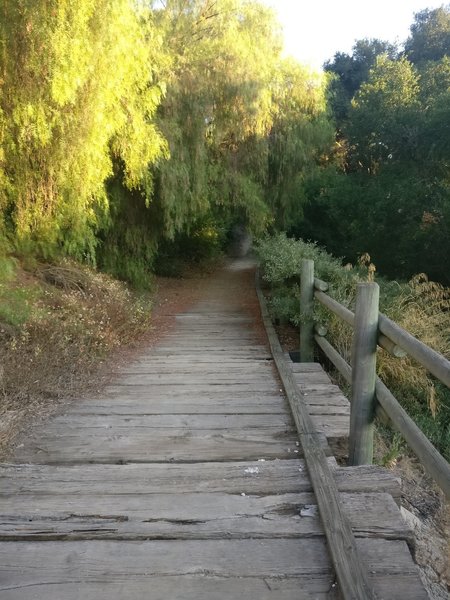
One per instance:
[(69, 423), (304, 367), (321, 409), (163, 445), (333, 426), (312, 378), (199, 405), (191, 516), (183, 587), (250, 477), (150, 380), (48, 567), (211, 368), (326, 400), (193, 388)]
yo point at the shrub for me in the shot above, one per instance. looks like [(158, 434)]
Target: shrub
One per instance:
[(419, 306)]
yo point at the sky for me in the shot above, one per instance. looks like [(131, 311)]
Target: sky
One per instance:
[(315, 29)]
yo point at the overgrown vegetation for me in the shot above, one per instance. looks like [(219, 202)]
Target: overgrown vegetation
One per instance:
[(419, 306), (56, 325), (124, 125)]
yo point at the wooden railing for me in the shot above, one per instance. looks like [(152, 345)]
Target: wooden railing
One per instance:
[(369, 396)]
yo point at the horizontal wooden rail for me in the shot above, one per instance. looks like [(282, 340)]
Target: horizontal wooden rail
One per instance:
[(320, 285), (349, 317), (437, 364), (344, 313), (389, 407)]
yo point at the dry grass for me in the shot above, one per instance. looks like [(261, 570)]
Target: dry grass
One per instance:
[(56, 326)]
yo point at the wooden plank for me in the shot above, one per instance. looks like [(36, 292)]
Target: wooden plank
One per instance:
[(150, 380), (206, 358), (326, 400), (191, 392), (333, 426), (163, 445), (304, 367), (312, 378), (176, 366), (68, 423), (193, 388), (249, 477), (47, 568), (200, 405), (182, 587), (191, 516), (327, 409), (310, 387)]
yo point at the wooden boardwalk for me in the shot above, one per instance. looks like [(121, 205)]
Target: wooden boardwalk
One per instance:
[(185, 479)]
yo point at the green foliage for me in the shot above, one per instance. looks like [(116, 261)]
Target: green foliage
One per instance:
[(302, 137), (202, 246), (125, 124), (128, 242), (217, 112), (351, 71), (75, 90), (419, 306), (430, 35), (382, 122), (390, 193), (16, 304)]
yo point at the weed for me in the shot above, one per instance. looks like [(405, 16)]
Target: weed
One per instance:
[(57, 324)]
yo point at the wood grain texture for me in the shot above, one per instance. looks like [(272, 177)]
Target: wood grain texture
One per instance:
[(251, 477), (208, 515), (364, 374), (47, 568)]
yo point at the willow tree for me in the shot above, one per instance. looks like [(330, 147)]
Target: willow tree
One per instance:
[(217, 111), (301, 139), (76, 91)]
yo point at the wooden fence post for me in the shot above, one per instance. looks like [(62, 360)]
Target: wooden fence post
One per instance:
[(364, 363), (306, 311)]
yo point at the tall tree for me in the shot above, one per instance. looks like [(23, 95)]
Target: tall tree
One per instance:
[(302, 137), (383, 124), (430, 35), (352, 70), (76, 90)]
